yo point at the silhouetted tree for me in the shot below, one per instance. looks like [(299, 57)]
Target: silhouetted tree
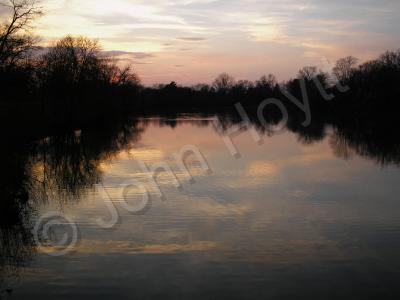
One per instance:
[(308, 73), (16, 40), (203, 88), (344, 68), (374, 87), (267, 82), (125, 76), (223, 82), (72, 62), (391, 58)]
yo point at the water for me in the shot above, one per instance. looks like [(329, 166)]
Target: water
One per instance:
[(309, 216)]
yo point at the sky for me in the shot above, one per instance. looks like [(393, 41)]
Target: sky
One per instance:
[(192, 41)]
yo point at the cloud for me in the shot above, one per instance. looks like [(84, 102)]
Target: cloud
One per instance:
[(192, 39), (133, 55), (240, 36)]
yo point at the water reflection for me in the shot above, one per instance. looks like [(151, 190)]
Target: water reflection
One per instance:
[(59, 169), (63, 169)]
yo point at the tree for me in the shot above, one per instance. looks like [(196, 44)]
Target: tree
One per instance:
[(126, 77), (202, 88), (76, 61), (391, 58), (223, 82), (267, 82), (73, 62), (344, 68), (312, 75), (308, 73), (15, 38)]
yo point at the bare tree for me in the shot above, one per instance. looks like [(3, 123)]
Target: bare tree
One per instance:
[(344, 68), (78, 61), (267, 82), (308, 72), (73, 59), (391, 58), (15, 36), (312, 74), (126, 76), (223, 82)]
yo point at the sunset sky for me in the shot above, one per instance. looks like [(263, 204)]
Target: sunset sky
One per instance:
[(192, 41)]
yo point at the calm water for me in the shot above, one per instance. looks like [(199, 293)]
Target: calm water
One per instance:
[(301, 216)]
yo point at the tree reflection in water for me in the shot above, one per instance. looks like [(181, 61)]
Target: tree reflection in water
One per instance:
[(62, 167)]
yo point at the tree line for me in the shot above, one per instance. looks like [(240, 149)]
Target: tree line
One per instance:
[(72, 79)]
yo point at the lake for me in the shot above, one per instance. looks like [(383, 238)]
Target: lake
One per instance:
[(297, 214)]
